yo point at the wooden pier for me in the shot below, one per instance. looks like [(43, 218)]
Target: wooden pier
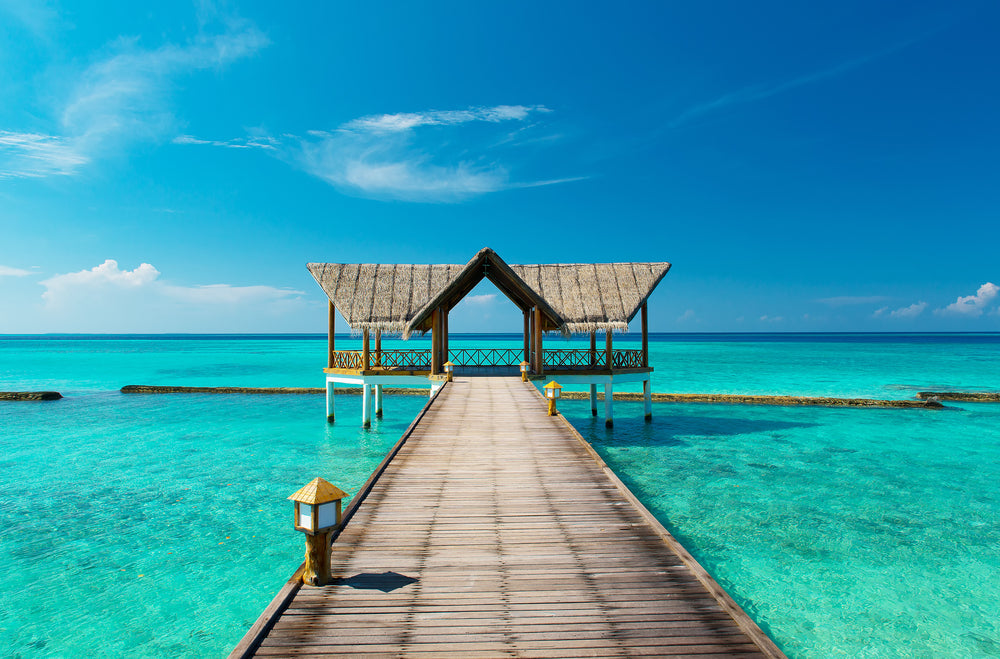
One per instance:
[(494, 530)]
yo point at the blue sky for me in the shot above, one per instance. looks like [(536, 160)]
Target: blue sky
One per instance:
[(804, 166)]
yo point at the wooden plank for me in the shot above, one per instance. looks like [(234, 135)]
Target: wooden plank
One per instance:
[(494, 531), (645, 337)]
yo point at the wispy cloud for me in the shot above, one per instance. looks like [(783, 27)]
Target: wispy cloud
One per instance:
[(486, 298), (122, 98), (7, 271), (688, 316), (972, 306), (911, 311), (436, 156), (236, 143), (851, 300), (772, 319), (759, 92), (32, 155)]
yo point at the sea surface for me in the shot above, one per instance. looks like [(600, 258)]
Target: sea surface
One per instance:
[(158, 525)]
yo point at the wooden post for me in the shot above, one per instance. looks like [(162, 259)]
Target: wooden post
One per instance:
[(593, 396), (527, 335), (593, 351), (378, 347), (436, 342), (539, 355), (531, 339), (645, 338), (444, 336), (609, 358), (329, 341), (365, 352), (329, 402), (317, 571)]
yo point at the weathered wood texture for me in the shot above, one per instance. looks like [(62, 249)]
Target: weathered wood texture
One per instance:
[(495, 533)]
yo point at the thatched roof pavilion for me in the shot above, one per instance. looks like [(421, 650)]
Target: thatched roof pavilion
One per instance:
[(573, 298)]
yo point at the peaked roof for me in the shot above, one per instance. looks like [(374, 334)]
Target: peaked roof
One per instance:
[(318, 491), (574, 298)]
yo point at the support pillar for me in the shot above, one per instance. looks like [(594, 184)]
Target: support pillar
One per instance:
[(378, 401), (539, 355), (366, 405), (444, 338), (329, 339), (593, 349), (329, 402), (436, 360), (593, 395), (366, 355), (609, 357), (317, 570), (609, 399), (527, 336), (647, 397), (645, 338), (378, 348)]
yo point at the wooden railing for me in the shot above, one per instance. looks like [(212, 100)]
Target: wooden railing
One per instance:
[(486, 356), (420, 360)]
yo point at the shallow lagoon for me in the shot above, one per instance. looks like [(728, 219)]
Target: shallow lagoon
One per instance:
[(158, 526)]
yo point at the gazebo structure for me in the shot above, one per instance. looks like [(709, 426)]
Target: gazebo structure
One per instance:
[(379, 299)]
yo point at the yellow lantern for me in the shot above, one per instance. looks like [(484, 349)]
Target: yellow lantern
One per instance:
[(552, 391), (449, 369), (524, 371)]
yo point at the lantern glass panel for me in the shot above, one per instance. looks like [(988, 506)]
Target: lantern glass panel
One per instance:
[(327, 514), (305, 516)]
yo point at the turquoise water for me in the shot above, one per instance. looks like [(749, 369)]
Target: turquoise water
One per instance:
[(158, 526)]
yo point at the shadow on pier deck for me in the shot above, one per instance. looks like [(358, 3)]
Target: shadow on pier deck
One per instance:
[(496, 531)]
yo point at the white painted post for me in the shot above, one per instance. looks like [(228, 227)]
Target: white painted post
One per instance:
[(609, 397), (378, 401), (329, 402), (593, 399), (647, 395), (366, 405)]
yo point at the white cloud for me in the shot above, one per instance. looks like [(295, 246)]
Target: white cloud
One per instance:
[(486, 298), (687, 316), (972, 305), (7, 271), (29, 155), (432, 156), (107, 298), (121, 98), (772, 319), (911, 311), (410, 120)]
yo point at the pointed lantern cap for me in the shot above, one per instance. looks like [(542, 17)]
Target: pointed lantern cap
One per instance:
[(553, 385), (318, 491)]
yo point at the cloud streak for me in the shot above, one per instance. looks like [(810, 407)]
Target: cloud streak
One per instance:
[(120, 99), (435, 156), (7, 271)]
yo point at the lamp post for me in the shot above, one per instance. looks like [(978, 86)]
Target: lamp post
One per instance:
[(552, 391), (317, 512), (449, 370), (524, 371)]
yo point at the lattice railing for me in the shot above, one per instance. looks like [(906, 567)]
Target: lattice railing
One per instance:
[(486, 356), (412, 360), (559, 358), (346, 359), (626, 358)]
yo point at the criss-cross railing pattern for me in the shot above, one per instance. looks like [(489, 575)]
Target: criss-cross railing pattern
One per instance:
[(414, 360), (486, 356), (567, 358), (420, 360), (626, 359)]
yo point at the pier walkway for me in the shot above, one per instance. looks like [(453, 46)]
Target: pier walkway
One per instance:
[(495, 531)]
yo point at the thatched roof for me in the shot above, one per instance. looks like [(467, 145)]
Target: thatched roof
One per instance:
[(594, 296), (574, 298)]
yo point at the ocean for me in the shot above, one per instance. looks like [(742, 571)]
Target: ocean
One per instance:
[(157, 525)]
